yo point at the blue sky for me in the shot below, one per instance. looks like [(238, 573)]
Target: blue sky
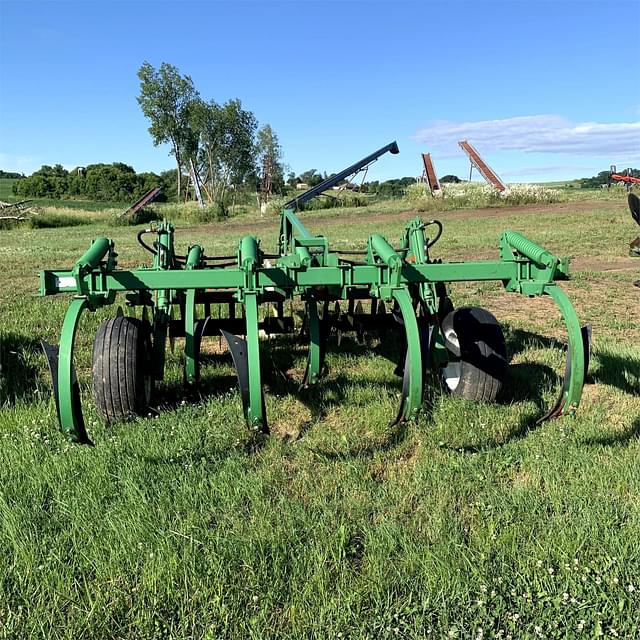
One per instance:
[(544, 89)]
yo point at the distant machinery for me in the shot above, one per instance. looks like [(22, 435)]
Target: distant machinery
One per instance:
[(146, 199), (634, 245), (429, 174), (483, 168), (430, 177), (627, 178)]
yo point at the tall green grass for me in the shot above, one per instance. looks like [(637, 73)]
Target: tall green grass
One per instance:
[(6, 189)]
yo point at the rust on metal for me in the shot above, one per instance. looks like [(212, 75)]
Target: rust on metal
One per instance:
[(485, 170)]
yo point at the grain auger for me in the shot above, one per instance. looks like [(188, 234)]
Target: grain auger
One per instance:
[(401, 286)]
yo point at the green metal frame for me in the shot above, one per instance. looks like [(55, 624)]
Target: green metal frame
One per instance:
[(305, 268)]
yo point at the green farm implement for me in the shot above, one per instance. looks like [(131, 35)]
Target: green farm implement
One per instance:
[(383, 287)]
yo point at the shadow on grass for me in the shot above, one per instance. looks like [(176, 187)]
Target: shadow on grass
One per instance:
[(616, 439), (170, 396), (604, 367), (616, 371), (526, 382), (341, 386), (19, 376), (393, 437)]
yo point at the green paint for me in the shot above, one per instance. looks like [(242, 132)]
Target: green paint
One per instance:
[(305, 266)]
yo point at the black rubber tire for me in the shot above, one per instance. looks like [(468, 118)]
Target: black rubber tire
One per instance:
[(122, 368), (474, 338)]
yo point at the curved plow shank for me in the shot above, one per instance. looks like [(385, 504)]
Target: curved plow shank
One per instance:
[(359, 311), (405, 391), (577, 363), (411, 398), (192, 346), (246, 358), (318, 334), (191, 359), (634, 206), (66, 389)]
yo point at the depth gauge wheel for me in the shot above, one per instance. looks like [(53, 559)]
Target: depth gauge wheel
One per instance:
[(477, 354), (122, 368)]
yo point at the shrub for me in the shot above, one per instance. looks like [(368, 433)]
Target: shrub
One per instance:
[(475, 195), (190, 212), (417, 191), (342, 199), (55, 220), (275, 205), (530, 194)]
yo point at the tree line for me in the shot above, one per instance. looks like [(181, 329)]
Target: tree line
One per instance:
[(116, 182)]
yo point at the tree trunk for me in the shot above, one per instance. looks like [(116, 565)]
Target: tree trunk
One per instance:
[(179, 175)]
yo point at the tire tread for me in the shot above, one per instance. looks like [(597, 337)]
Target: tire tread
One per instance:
[(119, 352)]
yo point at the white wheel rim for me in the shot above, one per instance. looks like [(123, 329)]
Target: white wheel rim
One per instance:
[(451, 375), (451, 340), (451, 372)]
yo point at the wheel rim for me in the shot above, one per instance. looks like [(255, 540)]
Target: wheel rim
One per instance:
[(451, 373)]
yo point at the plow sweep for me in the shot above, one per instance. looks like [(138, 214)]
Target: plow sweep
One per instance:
[(379, 289)]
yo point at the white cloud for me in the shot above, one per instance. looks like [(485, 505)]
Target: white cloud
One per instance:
[(537, 134)]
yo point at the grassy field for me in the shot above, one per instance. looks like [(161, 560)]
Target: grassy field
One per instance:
[(473, 522)]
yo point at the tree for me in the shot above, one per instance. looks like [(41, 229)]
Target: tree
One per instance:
[(269, 156), (57, 171), (168, 100), (449, 178), (312, 177), (595, 182), (225, 139)]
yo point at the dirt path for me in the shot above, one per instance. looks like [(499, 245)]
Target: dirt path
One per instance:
[(616, 264), (321, 221)]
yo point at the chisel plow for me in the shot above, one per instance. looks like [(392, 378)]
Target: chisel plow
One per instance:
[(380, 288)]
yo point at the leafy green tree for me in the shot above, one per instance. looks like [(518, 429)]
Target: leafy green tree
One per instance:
[(449, 178), (312, 177), (595, 182), (269, 157), (168, 100), (57, 171), (168, 181), (225, 135)]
